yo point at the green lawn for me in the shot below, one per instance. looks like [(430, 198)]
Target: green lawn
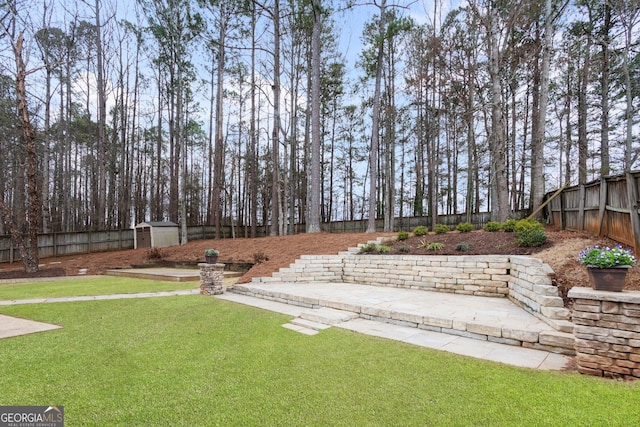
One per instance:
[(199, 361), (87, 286)]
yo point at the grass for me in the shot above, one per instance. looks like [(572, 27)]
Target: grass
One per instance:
[(87, 286), (199, 361)]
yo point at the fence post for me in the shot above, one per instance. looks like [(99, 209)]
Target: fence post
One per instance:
[(562, 215), (581, 195), (603, 205), (633, 196)]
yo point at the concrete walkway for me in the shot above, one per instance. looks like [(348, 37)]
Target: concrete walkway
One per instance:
[(14, 326)]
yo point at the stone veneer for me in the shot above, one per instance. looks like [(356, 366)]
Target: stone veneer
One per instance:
[(607, 332), (211, 278), (524, 280)]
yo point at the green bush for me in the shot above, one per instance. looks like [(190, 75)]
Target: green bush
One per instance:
[(530, 232), (465, 227), (368, 248), (384, 249), (403, 249), (464, 247), (526, 224), (403, 235), (509, 225), (531, 237), (435, 246), (420, 230), (441, 229), (492, 226)]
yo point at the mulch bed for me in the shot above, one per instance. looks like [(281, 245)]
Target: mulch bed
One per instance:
[(479, 243)]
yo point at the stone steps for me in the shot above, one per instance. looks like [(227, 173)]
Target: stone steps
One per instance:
[(310, 322)]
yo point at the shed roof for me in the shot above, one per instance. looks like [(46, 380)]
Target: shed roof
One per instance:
[(157, 224)]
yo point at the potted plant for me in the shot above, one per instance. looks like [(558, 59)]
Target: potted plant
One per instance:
[(211, 256), (607, 267)]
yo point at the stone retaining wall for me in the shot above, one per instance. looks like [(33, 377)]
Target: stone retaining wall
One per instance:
[(469, 275), (524, 280), (530, 287), (607, 332)]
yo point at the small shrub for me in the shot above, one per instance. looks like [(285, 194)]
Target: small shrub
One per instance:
[(509, 225), (531, 237), (420, 230), (441, 229), (368, 248), (465, 227), (492, 226), (527, 224), (435, 246), (423, 243), (403, 249), (403, 235), (530, 233), (260, 257), (383, 248), (464, 247)]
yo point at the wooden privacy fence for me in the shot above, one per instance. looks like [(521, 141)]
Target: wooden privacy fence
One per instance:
[(80, 242), (607, 207), (71, 243)]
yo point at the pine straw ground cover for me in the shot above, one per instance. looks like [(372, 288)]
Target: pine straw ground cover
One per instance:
[(199, 361)]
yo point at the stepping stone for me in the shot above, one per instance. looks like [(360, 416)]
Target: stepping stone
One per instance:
[(328, 316), (300, 329), (310, 324)]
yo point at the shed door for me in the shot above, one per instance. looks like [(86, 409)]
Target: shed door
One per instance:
[(143, 236)]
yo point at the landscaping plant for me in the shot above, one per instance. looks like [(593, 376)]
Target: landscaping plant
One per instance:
[(465, 227), (605, 257), (464, 247), (420, 230), (492, 226), (441, 229), (509, 225), (530, 233)]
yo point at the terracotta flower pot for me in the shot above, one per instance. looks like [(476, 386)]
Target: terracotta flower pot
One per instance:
[(608, 279)]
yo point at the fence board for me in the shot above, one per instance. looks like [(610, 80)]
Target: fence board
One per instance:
[(607, 207), (72, 243)]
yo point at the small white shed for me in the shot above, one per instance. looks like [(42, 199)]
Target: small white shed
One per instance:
[(156, 234)]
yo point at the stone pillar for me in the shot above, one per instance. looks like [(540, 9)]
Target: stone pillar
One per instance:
[(607, 332), (211, 278)]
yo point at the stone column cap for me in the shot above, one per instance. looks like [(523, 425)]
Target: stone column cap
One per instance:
[(632, 297)]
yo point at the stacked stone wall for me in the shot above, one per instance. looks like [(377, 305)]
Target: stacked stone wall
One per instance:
[(530, 287), (607, 332), (469, 275), (526, 281)]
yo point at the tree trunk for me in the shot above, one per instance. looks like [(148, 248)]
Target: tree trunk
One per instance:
[(102, 125), (375, 126), (497, 145), (313, 214), (28, 252), (275, 135), (537, 143), (218, 150)]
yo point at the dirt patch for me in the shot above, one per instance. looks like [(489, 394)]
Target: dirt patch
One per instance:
[(269, 254)]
